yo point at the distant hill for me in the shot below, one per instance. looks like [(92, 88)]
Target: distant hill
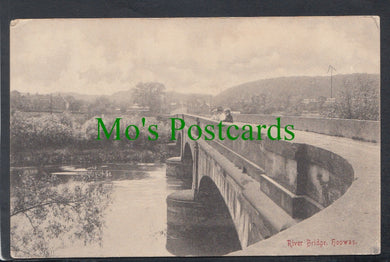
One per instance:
[(297, 87)]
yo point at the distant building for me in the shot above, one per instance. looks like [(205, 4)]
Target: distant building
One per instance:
[(330, 100), (137, 108), (310, 100)]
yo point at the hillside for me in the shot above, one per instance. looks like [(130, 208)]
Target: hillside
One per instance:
[(297, 88)]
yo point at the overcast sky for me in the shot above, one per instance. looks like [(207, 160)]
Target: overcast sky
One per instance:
[(102, 56)]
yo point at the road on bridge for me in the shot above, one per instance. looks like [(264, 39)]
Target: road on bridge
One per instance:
[(354, 216)]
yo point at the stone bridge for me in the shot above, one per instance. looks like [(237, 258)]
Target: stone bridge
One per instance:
[(273, 186)]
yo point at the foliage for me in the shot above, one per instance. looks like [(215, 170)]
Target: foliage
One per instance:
[(101, 105), (37, 102), (90, 129), (357, 96), (48, 130), (359, 100), (61, 138), (45, 211), (151, 95)]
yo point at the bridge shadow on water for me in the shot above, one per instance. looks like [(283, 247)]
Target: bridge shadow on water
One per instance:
[(200, 227)]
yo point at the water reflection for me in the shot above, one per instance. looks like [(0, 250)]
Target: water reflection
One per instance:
[(136, 217)]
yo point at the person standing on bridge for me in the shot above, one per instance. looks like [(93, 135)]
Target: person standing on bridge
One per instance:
[(228, 115)]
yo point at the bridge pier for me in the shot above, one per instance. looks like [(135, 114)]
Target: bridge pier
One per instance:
[(195, 227), (182, 218), (175, 167), (182, 166)]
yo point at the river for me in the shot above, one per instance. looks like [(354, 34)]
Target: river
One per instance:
[(135, 221)]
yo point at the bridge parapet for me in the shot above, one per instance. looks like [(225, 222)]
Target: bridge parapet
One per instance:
[(365, 130)]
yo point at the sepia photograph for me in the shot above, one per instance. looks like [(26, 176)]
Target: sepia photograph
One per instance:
[(222, 136)]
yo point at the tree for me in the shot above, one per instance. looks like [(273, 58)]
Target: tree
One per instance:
[(74, 104), (30, 133), (321, 102), (45, 210), (359, 99), (100, 106), (16, 100), (150, 94)]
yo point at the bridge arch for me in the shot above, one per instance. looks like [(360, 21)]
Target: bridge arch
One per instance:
[(218, 216)]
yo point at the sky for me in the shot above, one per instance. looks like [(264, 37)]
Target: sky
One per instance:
[(196, 55)]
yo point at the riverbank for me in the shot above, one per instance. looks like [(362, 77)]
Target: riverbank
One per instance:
[(69, 156)]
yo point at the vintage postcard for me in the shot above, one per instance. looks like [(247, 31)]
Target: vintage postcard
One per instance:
[(144, 137)]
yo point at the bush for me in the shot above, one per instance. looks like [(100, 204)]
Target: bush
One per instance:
[(58, 139)]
